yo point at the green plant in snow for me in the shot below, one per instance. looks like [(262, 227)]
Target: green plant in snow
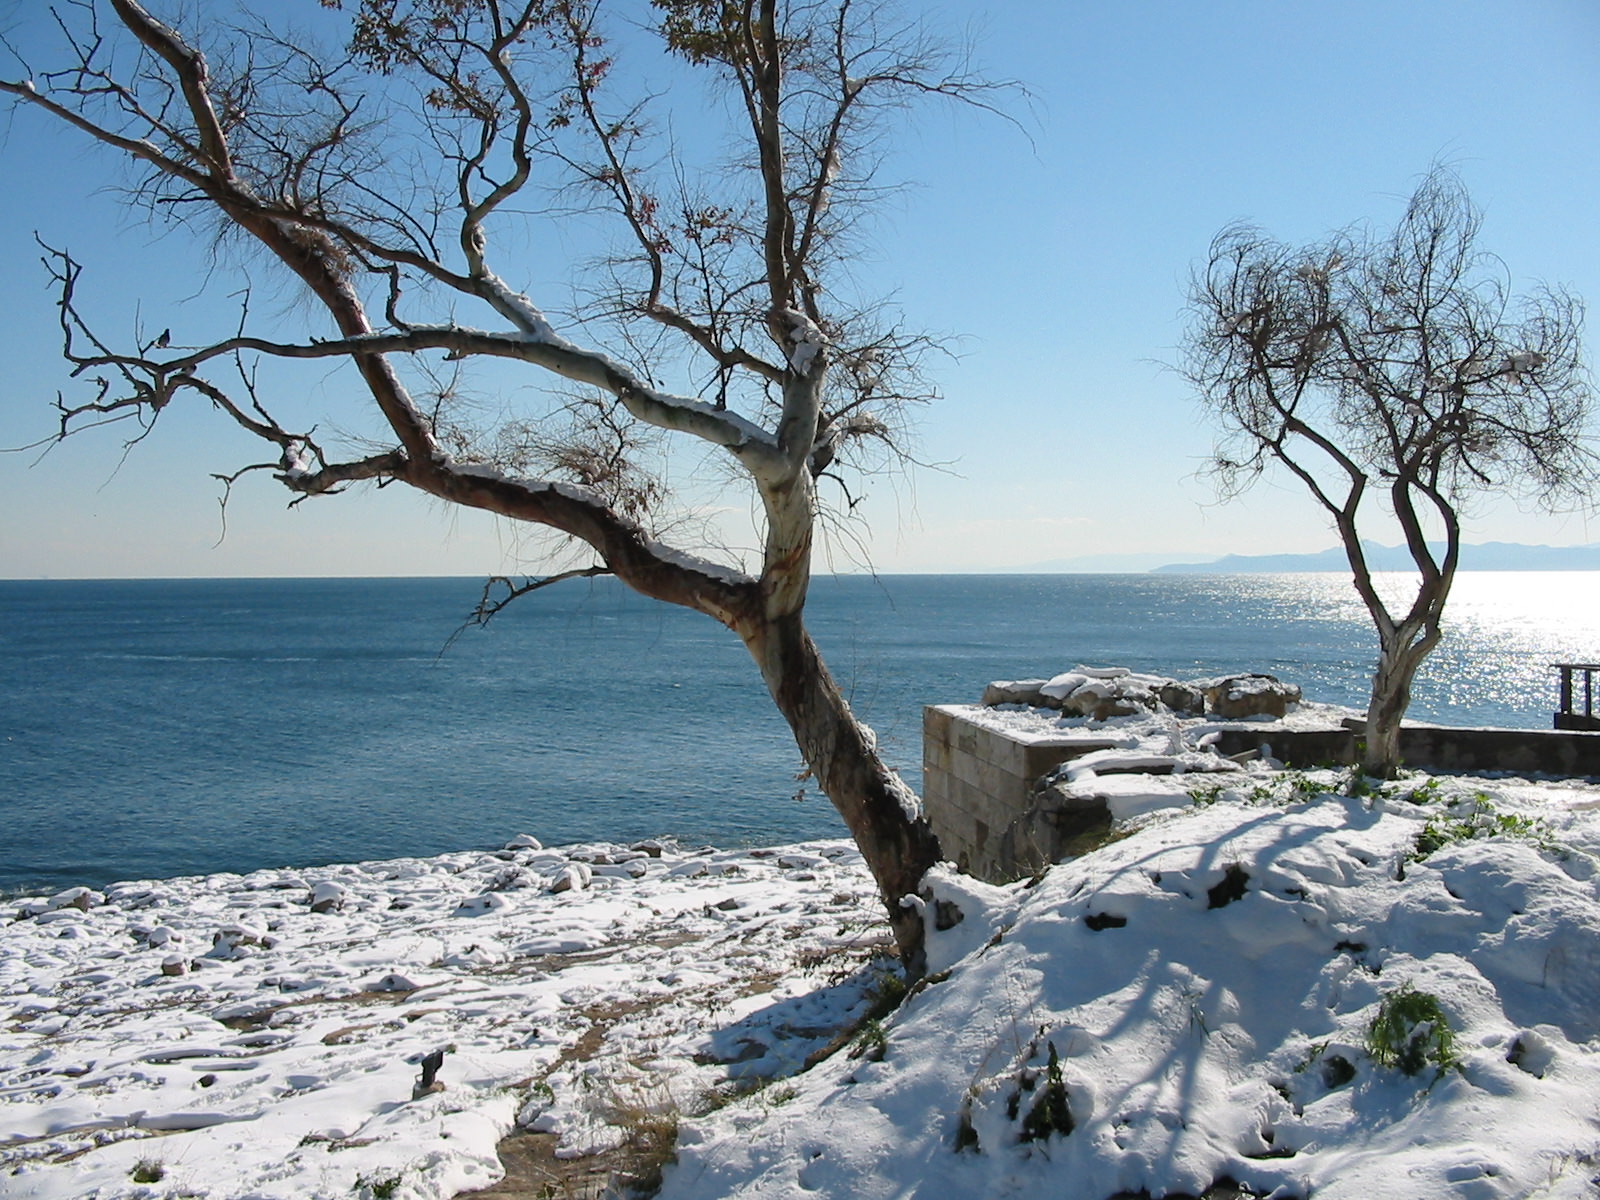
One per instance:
[(1303, 788), (149, 1170), (1475, 819), (1049, 1113), (1410, 1031), (1429, 791), (1275, 790), (887, 991), (377, 1187), (872, 1042)]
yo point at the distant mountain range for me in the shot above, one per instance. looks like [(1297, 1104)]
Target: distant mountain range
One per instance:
[(1486, 556)]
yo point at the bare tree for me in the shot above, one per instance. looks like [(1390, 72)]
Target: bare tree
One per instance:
[(385, 180), (1393, 367)]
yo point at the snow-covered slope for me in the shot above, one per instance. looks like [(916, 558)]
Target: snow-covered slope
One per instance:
[(1207, 988)]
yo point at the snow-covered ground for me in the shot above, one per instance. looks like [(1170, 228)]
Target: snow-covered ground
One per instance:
[(280, 1061), (1207, 988)]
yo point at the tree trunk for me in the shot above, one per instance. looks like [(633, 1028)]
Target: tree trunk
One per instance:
[(1398, 661), (882, 813)]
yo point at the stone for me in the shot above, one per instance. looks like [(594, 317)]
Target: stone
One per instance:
[(1016, 691), (1059, 824), (488, 902), (80, 898), (575, 876), (1237, 696), (328, 896), (232, 941), (1183, 697)]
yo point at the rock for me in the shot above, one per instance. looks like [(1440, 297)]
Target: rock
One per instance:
[(1182, 697), (228, 941), (1059, 824), (524, 841), (396, 982), (649, 847), (174, 965), (328, 896), (1015, 691), (477, 906), (575, 876), (1103, 692), (80, 898), (1236, 696), (1058, 687), (1532, 1051)]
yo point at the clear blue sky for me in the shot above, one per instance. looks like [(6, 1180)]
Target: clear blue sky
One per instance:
[(1060, 261)]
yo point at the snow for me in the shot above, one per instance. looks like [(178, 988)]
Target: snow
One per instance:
[(251, 1045), (809, 340), (1206, 984), (1139, 732)]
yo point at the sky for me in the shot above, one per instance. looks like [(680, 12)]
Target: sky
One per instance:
[(1053, 251)]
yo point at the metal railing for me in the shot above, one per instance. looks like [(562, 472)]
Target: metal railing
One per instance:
[(1567, 716)]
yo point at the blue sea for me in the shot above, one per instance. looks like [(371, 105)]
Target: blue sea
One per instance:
[(159, 728)]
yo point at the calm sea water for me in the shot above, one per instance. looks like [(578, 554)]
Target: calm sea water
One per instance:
[(156, 728)]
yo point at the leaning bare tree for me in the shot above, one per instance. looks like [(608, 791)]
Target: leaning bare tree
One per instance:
[(1394, 368), (387, 180)]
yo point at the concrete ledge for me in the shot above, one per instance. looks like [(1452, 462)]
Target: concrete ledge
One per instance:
[(977, 782), (982, 794), (1433, 748)]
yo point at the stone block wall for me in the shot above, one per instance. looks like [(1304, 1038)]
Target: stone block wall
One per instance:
[(1434, 748), (977, 782)]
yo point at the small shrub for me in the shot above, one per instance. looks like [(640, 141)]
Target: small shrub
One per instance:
[(1303, 789), (648, 1116), (1049, 1113), (887, 991), (1358, 785), (1429, 791), (872, 1042), (379, 1187), (149, 1170), (1410, 1032)]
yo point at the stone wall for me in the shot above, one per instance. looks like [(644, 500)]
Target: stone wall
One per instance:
[(978, 784), (1434, 748)]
